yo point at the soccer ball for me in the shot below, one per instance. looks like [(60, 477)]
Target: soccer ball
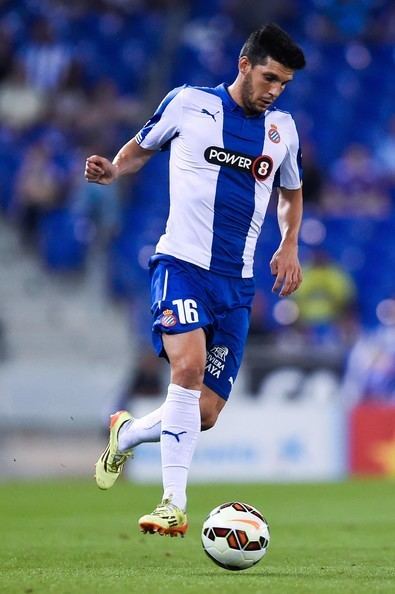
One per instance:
[(235, 535)]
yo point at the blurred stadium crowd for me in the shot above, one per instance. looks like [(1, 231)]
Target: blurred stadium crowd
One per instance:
[(81, 77)]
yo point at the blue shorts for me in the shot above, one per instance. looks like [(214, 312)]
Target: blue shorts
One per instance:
[(186, 297)]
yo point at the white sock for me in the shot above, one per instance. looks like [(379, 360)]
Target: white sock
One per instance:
[(143, 430), (179, 434)]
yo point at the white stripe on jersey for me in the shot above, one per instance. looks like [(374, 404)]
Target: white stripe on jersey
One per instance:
[(193, 183), (262, 197)]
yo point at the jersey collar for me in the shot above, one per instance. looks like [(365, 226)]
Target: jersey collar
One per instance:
[(231, 103)]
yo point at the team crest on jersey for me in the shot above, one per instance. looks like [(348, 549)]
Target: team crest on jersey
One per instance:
[(168, 318), (216, 357), (274, 134)]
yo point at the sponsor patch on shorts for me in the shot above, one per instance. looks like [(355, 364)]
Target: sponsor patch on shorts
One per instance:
[(216, 358)]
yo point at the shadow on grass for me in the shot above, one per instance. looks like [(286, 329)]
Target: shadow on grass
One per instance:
[(294, 574)]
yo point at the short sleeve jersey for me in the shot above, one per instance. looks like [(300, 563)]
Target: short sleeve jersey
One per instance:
[(223, 166)]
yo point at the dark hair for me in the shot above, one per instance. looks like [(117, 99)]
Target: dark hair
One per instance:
[(271, 41)]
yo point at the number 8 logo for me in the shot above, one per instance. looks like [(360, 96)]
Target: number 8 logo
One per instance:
[(262, 167)]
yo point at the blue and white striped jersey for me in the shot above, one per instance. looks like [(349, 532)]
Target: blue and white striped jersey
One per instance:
[(223, 165)]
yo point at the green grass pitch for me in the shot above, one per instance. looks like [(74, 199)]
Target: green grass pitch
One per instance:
[(70, 538)]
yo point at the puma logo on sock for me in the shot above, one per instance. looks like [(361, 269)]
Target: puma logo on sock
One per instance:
[(176, 435)]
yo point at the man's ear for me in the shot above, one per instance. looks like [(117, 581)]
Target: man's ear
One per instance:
[(244, 65)]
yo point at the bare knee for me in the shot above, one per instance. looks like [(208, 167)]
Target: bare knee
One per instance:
[(208, 414), (211, 405), (187, 355), (208, 420), (187, 373)]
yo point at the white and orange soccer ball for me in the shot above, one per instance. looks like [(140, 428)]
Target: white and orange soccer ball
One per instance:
[(235, 535)]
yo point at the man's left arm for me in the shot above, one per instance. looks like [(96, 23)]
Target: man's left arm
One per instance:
[(285, 265)]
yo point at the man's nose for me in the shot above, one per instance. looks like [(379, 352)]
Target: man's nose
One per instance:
[(275, 90)]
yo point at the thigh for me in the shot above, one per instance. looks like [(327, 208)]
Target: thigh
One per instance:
[(187, 348), (225, 351), (187, 355)]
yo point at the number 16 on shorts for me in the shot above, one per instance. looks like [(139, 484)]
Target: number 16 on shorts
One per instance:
[(186, 310)]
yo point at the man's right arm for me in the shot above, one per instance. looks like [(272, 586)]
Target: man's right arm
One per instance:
[(130, 159), (159, 130)]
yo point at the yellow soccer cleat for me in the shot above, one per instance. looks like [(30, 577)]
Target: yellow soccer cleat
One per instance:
[(166, 519), (110, 464)]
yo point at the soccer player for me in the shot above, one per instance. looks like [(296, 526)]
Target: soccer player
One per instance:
[(228, 148)]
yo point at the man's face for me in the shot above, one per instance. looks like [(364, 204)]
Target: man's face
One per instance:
[(262, 84)]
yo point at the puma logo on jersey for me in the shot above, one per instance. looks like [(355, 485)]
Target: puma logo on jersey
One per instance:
[(212, 115), (176, 435)]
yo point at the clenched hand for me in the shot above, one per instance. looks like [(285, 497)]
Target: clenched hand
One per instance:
[(100, 170)]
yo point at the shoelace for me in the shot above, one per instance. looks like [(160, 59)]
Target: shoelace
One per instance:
[(164, 506), (117, 462)]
